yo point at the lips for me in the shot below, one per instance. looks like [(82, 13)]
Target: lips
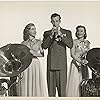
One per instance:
[(79, 34)]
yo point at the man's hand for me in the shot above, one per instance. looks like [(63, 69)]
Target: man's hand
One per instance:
[(54, 32), (59, 35)]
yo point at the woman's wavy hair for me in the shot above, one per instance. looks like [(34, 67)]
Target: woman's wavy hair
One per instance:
[(80, 26), (26, 31)]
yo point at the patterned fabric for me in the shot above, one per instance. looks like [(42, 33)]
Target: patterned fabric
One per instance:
[(90, 88), (32, 83), (75, 73)]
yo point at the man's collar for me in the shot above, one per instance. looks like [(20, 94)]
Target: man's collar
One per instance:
[(59, 28)]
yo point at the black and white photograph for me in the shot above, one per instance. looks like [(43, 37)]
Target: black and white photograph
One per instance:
[(49, 49)]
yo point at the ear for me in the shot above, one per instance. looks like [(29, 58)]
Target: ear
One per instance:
[(60, 20)]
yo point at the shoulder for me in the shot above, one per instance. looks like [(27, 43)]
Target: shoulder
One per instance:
[(76, 42), (47, 32), (22, 42), (39, 41), (25, 42), (87, 42), (66, 31)]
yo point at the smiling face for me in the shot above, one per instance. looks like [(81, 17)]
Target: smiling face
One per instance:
[(80, 32), (32, 31), (55, 21)]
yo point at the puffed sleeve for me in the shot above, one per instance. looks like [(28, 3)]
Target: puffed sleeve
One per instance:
[(87, 45)]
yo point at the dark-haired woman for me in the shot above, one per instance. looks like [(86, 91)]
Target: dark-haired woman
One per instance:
[(78, 70)]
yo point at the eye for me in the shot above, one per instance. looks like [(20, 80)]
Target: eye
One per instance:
[(32, 29)]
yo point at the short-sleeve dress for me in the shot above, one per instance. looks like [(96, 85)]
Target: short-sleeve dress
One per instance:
[(77, 71), (32, 83)]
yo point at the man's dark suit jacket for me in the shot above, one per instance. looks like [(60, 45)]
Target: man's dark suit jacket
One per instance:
[(57, 58)]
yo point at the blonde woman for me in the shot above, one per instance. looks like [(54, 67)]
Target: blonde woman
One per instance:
[(32, 83)]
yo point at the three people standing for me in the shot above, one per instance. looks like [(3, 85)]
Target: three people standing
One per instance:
[(55, 40)]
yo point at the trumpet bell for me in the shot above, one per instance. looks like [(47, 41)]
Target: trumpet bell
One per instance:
[(14, 59)]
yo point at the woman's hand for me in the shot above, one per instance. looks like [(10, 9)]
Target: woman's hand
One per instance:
[(84, 62)]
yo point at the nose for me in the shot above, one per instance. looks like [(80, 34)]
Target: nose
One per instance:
[(35, 32)]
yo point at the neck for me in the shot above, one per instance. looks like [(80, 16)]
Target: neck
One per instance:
[(81, 39), (57, 26), (31, 37)]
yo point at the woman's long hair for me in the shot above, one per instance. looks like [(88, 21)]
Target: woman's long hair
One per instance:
[(26, 31)]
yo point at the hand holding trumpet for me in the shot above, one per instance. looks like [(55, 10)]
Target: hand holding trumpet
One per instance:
[(56, 34)]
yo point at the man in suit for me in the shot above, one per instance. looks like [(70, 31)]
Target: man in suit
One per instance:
[(56, 41)]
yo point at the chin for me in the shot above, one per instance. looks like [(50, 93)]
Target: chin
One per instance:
[(80, 36)]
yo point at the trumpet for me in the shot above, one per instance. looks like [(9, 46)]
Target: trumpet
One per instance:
[(56, 34), (14, 60)]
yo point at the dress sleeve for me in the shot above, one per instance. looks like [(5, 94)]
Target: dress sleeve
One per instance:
[(87, 46), (40, 48)]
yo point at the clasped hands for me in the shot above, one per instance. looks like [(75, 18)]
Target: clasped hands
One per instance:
[(56, 34), (84, 62)]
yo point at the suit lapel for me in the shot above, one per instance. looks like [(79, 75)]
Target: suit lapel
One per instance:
[(62, 31), (49, 32)]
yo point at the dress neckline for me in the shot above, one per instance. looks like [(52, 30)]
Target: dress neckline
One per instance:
[(81, 41)]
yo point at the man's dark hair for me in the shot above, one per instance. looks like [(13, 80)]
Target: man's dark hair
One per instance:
[(54, 15)]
